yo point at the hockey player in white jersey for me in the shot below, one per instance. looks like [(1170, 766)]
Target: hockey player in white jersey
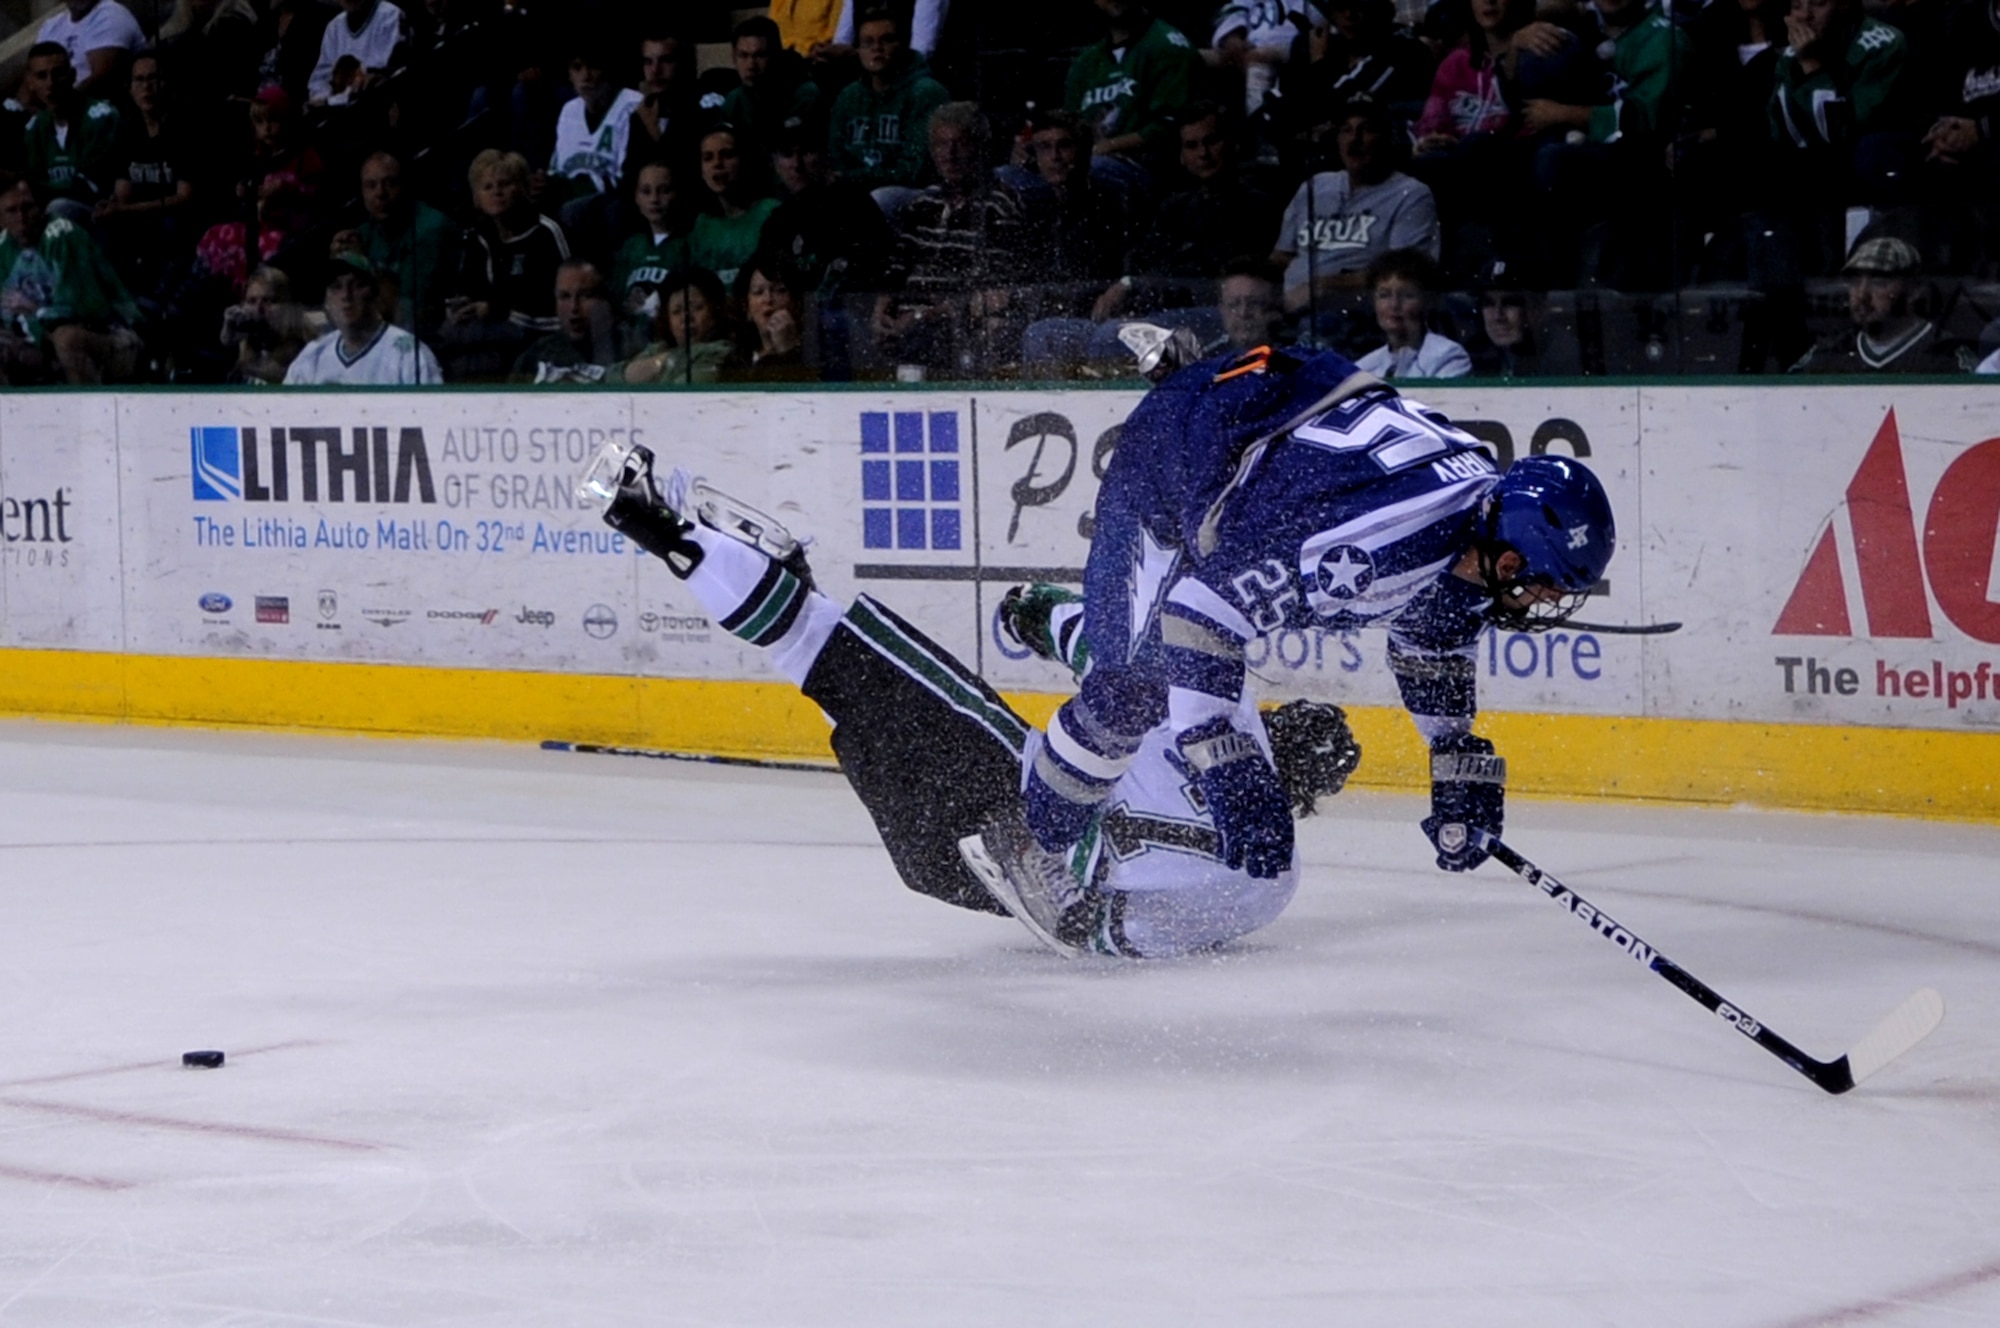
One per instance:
[(935, 754)]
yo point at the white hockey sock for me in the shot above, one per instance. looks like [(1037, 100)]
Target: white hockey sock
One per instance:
[(759, 600)]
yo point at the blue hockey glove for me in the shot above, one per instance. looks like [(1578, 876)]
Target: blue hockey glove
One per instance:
[(1252, 815), (1468, 795)]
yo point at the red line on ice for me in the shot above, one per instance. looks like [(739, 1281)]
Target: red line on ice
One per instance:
[(63, 1178), (1874, 1308), (110, 1117), (134, 1066)]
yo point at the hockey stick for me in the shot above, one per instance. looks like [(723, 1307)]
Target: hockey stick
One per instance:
[(1624, 629), (755, 762), (1908, 1024)]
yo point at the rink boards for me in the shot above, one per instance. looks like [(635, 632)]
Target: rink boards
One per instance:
[(416, 562)]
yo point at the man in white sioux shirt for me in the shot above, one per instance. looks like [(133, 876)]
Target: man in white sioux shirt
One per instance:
[(362, 348), (98, 34), (1341, 221), (368, 30)]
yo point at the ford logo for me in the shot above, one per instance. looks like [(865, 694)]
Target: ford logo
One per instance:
[(216, 602)]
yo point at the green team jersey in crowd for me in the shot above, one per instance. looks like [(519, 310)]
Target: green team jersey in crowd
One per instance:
[(1843, 98), (1647, 59), (879, 138), (1134, 89), (68, 279), (80, 165), (644, 263), (724, 244)]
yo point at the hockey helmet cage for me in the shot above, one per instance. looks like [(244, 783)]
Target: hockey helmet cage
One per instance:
[(1554, 513), (1313, 749)]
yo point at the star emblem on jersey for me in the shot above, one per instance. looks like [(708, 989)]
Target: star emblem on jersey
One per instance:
[(1345, 571)]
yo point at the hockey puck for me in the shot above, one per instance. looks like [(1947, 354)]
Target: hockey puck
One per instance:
[(202, 1060)]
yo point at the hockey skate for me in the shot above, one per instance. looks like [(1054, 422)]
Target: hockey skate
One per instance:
[(620, 479), (1033, 884)]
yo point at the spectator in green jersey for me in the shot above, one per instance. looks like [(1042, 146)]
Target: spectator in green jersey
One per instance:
[(659, 249), (1128, 87), (733, 213), (62, 307), (880, 131), (72, 144)]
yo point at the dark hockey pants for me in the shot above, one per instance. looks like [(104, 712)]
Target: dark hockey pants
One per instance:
[(932, 751)]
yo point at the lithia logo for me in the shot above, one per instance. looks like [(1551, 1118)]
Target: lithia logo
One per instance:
[(241, 465), (528, 617)]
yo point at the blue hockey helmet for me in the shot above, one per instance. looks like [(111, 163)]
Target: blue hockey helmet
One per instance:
[(1554, 514)]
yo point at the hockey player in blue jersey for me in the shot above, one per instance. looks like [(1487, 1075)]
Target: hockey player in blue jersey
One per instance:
[(935, 754), (1281, 490)]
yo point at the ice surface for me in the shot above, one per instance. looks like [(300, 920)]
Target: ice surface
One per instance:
[(526, 1038)]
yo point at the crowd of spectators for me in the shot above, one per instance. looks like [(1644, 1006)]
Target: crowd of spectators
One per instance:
[(266, 191)]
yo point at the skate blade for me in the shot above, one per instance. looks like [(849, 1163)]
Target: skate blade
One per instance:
[(980, 862)]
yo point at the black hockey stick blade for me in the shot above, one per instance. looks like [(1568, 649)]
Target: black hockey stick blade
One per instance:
[(1625, 629), (1906, 1026)]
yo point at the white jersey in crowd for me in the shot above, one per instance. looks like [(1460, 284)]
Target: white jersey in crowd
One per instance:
[(394, 357), (1436, 356), (372, 46), (1156, 848), (1335, 227), (107, 26), (1265, 25), (597, 153)]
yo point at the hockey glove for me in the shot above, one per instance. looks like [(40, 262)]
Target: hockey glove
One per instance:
[(1252, 815), (1468, 796)]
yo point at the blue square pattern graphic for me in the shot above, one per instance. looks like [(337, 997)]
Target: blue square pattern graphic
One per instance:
[(910, 489)]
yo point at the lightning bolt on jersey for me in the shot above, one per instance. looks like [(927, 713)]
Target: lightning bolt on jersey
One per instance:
[(1270, 493)]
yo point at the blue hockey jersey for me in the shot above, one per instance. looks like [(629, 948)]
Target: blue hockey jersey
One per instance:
[(1269, 492)]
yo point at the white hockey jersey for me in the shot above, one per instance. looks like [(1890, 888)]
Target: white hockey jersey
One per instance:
[(597, 153), (393, 358), (1152, 850)]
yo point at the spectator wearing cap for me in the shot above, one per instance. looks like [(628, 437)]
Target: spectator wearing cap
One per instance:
[(1400, 284), (98, 35), (1341, 221), (372, 31), (879, 131), (407, 239), (731, 219), (278, 148), (584, 345), (503, 296), (1194, 232), (959, 257), (361, 348), (1887, 334), (72, 143), (1128, 87), (62, 306), (829, 232), (1511, 342)]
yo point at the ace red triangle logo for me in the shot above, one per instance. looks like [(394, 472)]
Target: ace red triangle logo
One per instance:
[(1960, 532)]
